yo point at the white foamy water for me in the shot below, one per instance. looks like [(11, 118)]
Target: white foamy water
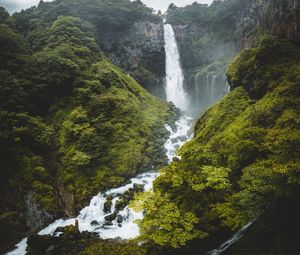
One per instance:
[(21, 248), (174, 76), (177, 138), (92, 217)]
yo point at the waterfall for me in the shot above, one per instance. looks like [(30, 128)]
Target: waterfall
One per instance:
[(174, 75), (212, 89), (208, 87)]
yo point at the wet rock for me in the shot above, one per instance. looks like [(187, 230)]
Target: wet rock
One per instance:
[(40, 244), (120, 218), (182, 138), (107, 205), (144, 49), (175, 159), (121, 204), (50, 249), (107, 225), (174, 140), (59, 229), (94, 223), (36, 217), (70, 242), (138, 187), (110, 217), (77, 225)]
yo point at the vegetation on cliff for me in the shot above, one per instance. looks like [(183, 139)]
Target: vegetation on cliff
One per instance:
[(244, 156), (115, 24), (72, 123)]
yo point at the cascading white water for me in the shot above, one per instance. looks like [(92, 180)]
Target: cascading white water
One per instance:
[(174, 76), (92, 217)]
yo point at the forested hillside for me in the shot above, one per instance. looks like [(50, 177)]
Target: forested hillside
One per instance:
[(128, 32), (72, 123), (243, 161), (94, 160)]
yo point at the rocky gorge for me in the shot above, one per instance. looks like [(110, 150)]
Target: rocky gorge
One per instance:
[(77, 119)]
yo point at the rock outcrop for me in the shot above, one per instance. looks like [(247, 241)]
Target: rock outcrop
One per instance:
[(139, 50), (277, 17), (36, 216)]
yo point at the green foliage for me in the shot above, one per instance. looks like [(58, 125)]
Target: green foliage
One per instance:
[(71, 123), (245, 153), (257, 69), (109, 20), (68, 50), (219, 11), (13, 49), (112, 248), (189, 14), (4, 15), (165, 224), (101, 131), (114, 15)]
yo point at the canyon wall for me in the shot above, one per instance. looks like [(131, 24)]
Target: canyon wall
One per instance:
[(139, 51)]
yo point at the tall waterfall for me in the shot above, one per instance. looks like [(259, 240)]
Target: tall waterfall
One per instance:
[(174, 76)]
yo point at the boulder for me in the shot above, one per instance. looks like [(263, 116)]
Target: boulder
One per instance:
[(120, 218), (94, 223), (110, 217)]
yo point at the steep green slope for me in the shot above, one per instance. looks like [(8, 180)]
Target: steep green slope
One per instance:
[(244, 157), (129, 33), (71, 125)]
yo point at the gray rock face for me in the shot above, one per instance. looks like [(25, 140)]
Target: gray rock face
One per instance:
[(199, 45), (36, 217), (139, 50), (280, 17)]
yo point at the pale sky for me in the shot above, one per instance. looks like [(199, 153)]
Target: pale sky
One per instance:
[(17, 5)]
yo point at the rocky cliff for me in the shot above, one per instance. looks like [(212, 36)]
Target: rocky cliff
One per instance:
[(277, 17), (129, 33), (140, 51)]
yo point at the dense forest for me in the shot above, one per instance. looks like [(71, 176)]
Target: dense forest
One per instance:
[(84, 108)]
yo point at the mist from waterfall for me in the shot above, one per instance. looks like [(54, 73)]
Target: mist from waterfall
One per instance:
[(175, 92)]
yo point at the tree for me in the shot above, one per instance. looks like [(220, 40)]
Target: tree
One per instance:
[(4, 15), (164, 223)]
